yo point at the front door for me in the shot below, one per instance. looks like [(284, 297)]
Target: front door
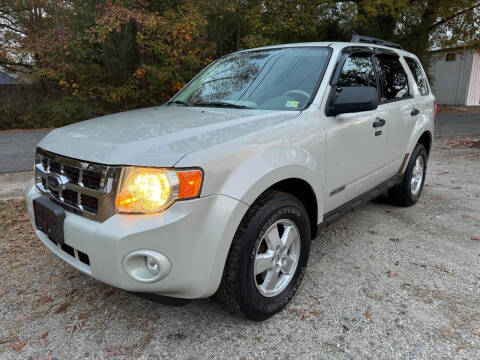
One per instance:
[(356, 142)]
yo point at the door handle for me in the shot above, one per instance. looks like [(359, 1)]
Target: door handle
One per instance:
[(378, 123), (415, 112)]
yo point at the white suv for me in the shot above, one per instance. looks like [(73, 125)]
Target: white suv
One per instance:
[(221, 190)]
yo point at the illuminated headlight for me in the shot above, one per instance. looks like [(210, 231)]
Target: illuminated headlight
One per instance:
[(149, 190)]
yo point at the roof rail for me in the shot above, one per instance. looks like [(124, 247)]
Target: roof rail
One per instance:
[(370, 40)]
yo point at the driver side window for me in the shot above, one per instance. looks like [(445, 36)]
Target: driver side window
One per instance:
[(357, 70)]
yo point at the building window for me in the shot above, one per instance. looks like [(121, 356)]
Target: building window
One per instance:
[(450, 57)]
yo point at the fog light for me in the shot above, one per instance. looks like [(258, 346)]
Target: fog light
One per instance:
[(152, 265), (146, 266)]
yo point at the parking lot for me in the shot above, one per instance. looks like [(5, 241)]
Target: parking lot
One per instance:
[(382, 283)]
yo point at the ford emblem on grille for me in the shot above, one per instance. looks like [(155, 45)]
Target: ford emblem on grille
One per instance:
[(57, 182)]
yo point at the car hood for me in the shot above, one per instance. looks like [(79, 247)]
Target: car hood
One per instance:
[(157, 136)]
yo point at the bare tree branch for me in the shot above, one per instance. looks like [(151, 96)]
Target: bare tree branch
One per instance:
[(449, 18)]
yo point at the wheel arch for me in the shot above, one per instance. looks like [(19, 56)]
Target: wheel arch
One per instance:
[(426, 139), (304, 192)]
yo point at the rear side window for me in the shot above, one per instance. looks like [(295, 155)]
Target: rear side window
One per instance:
[(418, 75), (393, 78), (358, 70)]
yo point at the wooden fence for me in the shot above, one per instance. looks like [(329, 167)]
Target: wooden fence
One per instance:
[(14, 93)]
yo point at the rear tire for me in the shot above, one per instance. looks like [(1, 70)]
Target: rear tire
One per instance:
[(409, 190), (267, 258)]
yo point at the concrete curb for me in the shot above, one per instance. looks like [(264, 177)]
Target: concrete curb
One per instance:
[(12, 184)]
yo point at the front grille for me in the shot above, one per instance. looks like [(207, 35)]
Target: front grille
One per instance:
[(90, 203), (70, 197), (75, 253), (82, 187)]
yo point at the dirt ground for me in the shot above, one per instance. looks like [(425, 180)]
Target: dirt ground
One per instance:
[(458, 109), (382, 283)]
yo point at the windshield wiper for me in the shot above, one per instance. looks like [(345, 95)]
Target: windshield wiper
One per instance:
[(179, 102), (222, 104)]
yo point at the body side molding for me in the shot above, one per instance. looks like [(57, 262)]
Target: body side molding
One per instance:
[(354, 204)]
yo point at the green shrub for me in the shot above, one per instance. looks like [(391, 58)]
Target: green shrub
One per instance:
[(46, 113)]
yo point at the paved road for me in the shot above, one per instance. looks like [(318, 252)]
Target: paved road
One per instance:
[(458, 124), (17, 148)]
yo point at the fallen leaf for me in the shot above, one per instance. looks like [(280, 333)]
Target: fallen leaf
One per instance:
[(113, 351), (302, 315), (63, 306), (442, 268), (43, 343), (19, 346), (8, 339), (44, 335), (367, 313), (73, 291), (420, 265), (76, 326), (82, 316), (392, 274), (462, 144), (316, 312)]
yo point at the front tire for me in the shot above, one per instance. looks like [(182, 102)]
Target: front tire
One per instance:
[(267, 258), (409, 190)]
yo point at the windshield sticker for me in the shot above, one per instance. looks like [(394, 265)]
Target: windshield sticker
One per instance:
[(292, 104)]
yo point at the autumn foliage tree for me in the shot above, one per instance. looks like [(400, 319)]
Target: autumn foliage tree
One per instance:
[(84, 58)]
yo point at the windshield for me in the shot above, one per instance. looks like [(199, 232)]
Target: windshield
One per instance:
[(272, 79)]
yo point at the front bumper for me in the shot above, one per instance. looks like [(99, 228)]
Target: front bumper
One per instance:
[(194, 235)]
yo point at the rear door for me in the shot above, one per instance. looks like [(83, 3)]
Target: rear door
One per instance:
[(423, 99), (397, 107)]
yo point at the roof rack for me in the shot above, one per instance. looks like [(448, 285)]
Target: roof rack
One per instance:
[(370, 40)]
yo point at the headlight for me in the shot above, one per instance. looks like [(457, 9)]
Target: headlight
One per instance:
[(149, 190)]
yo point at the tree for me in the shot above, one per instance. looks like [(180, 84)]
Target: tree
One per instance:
[(92, 57)]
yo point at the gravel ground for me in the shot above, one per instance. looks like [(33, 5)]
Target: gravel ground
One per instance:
[(383, 283)]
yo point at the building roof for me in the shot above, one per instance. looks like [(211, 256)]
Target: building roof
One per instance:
[(454, 49)]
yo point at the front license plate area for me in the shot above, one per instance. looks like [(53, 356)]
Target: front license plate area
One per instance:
[(49, 218)]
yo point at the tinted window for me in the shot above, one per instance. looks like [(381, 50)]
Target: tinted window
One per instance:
[(273, 79), (358, 70), (393, 77), (418, 75)]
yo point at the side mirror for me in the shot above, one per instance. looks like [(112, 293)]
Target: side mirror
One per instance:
[(352, 99)]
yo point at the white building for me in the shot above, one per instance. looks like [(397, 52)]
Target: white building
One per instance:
[(456, 76)]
